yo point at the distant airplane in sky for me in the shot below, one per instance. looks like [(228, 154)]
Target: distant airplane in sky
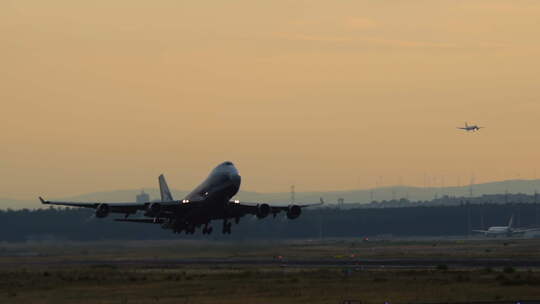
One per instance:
[(505, 230), (211, 200), (470, 128)]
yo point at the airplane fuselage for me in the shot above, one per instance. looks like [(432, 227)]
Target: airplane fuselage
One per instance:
[(219, 187), (498, 230), (212, 199)]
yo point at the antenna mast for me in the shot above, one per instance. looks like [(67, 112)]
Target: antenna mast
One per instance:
[(471, 187)]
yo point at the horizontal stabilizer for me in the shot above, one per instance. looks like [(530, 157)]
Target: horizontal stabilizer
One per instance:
[(140, 220), (321, 202)]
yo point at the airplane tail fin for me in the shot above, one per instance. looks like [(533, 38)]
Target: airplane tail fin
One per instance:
[(466, 125), (511, 221), (166, 195)]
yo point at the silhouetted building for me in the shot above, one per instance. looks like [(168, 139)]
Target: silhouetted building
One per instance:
[(143, 197)]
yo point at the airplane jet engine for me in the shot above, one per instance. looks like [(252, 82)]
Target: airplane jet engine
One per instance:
[(263, 210), (154, 209), (102, 210), (293, 212)]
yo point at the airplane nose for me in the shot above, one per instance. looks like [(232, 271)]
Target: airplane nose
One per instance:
[(235, 177)]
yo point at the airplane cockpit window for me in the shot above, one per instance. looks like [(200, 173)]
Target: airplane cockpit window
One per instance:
[(228, 163)]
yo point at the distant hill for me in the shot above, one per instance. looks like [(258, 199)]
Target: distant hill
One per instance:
[(6, 203), (350, 196)]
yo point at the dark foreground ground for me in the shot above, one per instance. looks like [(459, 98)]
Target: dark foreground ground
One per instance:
[(268, 272)]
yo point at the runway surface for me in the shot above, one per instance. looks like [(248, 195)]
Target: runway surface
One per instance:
[(369, 263)]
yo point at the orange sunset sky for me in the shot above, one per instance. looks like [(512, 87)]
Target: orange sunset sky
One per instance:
[(326, 95)]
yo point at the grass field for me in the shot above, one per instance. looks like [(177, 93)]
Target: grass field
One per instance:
[(26, 276), (301, 249)]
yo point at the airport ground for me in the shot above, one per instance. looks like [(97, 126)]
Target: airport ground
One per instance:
[(301, 271)]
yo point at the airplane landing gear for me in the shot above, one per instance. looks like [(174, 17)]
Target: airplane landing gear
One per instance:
[(207, 229), (226, 227), (190, 229)]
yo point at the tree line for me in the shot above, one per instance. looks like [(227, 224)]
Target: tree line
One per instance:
[(79, 224)]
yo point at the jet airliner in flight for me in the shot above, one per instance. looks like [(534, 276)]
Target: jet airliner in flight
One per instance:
[(210, 201), (470, 128)]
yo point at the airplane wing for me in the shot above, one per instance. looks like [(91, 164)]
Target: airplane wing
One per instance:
[(125, 208), (167, 203), (113, 207), (141, 220), (524, 230), (261, 210), (481, 231)]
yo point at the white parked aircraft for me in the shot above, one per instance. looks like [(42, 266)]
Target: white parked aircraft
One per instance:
[(505, 230)]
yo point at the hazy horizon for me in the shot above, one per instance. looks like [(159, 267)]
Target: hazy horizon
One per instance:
[(322, 95), (412, 193), (287, 190)]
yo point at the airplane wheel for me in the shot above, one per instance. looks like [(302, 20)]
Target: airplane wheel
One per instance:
[(226, 227)]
